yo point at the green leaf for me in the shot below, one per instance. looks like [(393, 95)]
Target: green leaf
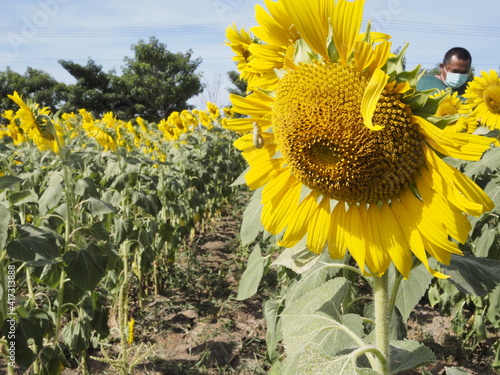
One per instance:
[(412, 290), (98, 207), (298, 258), (251, 224), (4, 225), (485, 241), (315, 361), (316, 318), (151, 203), (455, 371), (273, 327), (471, 275), (52, 194), (34, 246), (409, 354), (85, 267), (77, 335), (250, 280), (22, 197), (7, 182), (493, 191), (86, 187), (487, 162)]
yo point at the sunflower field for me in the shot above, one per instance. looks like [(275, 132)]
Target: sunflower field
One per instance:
[(87, 204), (367, 198)]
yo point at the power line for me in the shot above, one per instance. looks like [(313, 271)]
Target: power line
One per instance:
[(131, 31)]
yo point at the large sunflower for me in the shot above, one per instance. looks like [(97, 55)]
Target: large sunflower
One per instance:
[(483, 98), (341, 144)]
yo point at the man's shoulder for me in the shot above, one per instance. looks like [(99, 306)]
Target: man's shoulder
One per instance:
[(430, 82)]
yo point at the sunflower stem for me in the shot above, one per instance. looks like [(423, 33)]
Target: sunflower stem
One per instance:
[(382, 319)]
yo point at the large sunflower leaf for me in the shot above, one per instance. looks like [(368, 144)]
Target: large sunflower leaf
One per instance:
[(85, 267), (316, 318), (455, 371), (297, 258), (471, 275), (412, 290), (250, 280), (35, 246), (251, 224), (4, 225), (408, 354), (315, 361)]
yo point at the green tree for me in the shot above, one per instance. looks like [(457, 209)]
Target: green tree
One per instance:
[(93, 90), (33, 84), (240, 86), (158, 81)]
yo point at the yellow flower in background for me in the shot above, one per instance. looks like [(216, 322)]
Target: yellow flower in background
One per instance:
[(239, 41), (13, 130), (36, 124), (213, 111), (483, 99), (343, 152)]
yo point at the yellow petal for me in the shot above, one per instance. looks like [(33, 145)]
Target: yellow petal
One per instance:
[(277, 209), (310, 19), (298, 220), (408, 226), (354, 235), (371, 96), (457, 145), (257, 177), (317, 229), (363, 55), (346, 22), (381, 54), (336, 237), (470, 197)]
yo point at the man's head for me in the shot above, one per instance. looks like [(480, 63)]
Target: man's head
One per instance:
[(455, 67)]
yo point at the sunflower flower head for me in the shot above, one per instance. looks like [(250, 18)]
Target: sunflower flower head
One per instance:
[(343, 147), (483, 99), (37, 124)]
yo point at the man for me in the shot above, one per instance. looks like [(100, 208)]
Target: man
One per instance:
[(455, 70)]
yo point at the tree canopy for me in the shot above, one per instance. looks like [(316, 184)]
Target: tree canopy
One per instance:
[(154, 83)]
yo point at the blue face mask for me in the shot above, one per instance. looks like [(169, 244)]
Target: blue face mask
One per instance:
[(455, 80)]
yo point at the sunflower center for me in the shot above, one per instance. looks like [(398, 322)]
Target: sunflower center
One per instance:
[(320, 132), (446, 108), (491, 97)]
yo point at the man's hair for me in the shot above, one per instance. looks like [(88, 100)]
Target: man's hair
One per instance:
[(459, 52)]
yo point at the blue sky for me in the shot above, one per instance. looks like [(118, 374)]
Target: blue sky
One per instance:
[(37, 33)]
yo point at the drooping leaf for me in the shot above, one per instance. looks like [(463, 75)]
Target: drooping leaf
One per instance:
[(85, 187), (408, 354), (412, 290), (52, 194), (485, 241), (455, 371), (251, 224), (316, 318), (22, 197), (298, 258), (7, 182), (4, 225), (85, 267), (315, 361), (471, 275), (250, 279), (98, 207), (35, 246)]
